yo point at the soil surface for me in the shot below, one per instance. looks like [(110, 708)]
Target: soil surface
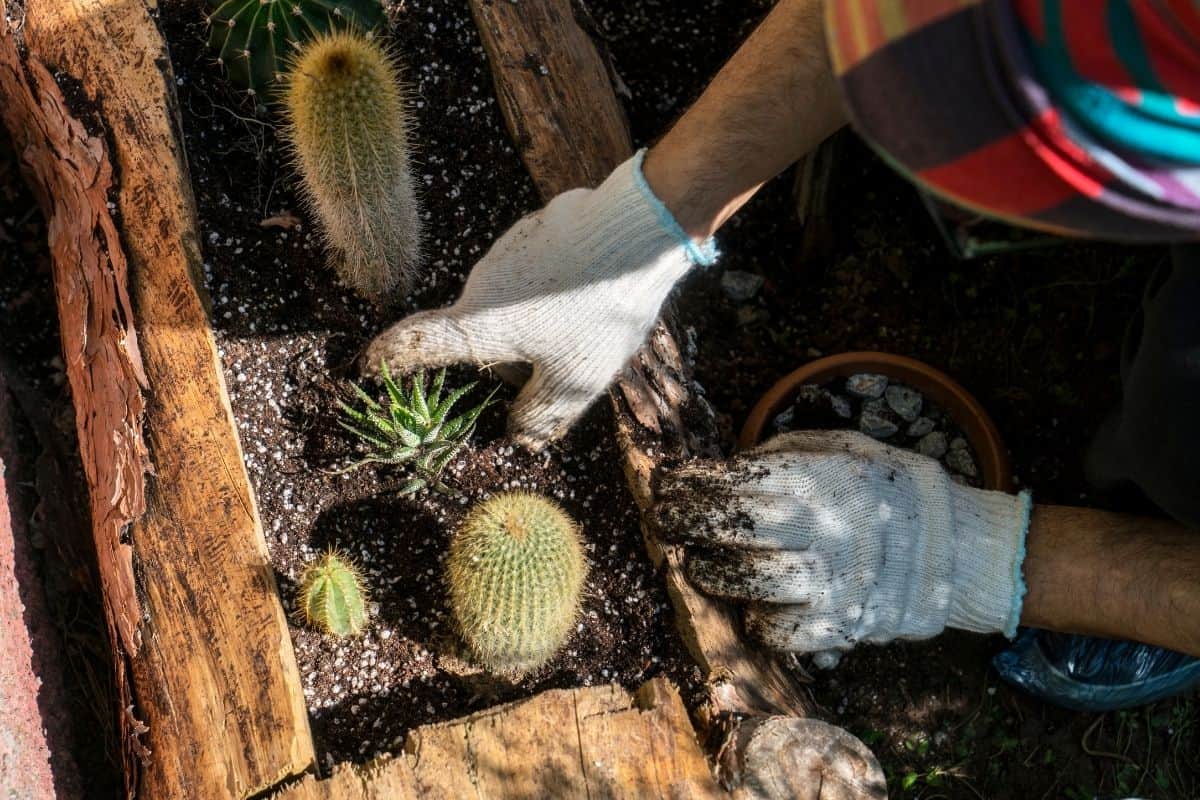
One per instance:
[(1035, 336), (288, 333)]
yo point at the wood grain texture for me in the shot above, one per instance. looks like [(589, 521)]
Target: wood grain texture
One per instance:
[(214, 674), (547, 71), (70, 174), (596, 742), (569, 128)]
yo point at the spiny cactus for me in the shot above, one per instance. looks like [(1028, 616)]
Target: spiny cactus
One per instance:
[(254, 39), (413, 429), (348, 129), (332, 597), (515, 574)]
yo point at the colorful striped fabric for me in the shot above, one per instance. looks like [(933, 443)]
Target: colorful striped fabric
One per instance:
[(1078, 117)]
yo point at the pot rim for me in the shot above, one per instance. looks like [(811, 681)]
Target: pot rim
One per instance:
[(967, 413)]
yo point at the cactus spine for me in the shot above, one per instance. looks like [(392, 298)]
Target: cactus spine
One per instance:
[(254, 39), (332, 598), (515, 573), (349, 134)]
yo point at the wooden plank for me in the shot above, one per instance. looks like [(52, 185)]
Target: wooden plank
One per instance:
[(564, 117), (213, 670), (596, 742), (546, 70), (70, 174)]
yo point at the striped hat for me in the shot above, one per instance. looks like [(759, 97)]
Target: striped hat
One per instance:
[(1078, 117)]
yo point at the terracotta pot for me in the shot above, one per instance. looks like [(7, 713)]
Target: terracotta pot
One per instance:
[(936, 385)]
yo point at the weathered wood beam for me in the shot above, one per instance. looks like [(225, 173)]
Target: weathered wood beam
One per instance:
[(187, 585), (569, 128), (565, 743)]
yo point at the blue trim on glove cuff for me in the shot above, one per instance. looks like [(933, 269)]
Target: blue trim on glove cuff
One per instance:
[(1018, 600), (704, 254)]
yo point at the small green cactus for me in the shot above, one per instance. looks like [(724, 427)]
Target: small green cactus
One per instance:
[(332, 598), (515, 573), (414, 429), (348, 130), (254, 39)]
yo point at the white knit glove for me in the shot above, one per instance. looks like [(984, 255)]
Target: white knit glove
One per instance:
[(573, 289), (835, 539)]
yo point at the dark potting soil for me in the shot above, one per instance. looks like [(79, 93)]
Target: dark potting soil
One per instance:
[(287, 334)]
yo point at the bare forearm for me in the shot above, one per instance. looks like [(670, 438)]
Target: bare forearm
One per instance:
[(1113, 575), (774, 101)]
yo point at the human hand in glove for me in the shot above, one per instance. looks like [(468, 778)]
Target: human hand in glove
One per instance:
[(834, 538), (572, 289)]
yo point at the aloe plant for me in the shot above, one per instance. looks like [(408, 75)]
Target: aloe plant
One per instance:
[(412, 429)]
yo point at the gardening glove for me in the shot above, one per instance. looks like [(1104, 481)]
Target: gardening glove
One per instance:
[(835, 539), (573, 289)]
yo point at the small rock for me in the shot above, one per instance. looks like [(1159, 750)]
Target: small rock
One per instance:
[(840, 406), (958, 443), (740, 286), (876, 425), (920, 427), (904, 401), (811, 393), (749, 316), (866, 384), (932, 445), (959, 460), (784, 421)]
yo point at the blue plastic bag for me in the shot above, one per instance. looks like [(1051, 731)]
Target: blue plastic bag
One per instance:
[(1086, 673)]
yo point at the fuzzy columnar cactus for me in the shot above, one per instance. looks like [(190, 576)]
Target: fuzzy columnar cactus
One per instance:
[(515, 572), (348, 129), (253, 39), (332, 598)]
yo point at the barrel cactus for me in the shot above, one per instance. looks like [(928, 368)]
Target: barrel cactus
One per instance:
[(348, 129), (332, 598), (515, 573), (254, 39)]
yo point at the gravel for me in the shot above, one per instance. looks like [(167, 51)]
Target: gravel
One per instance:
[(892, 412), (740, 286), (933, 445), (904, 401), (867, 385)]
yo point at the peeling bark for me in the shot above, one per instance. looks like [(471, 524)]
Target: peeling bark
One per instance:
[(71, 176)]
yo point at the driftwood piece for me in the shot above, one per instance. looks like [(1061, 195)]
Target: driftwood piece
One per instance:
[(801, 759), (214, 675), (565, 743), (560, 107)]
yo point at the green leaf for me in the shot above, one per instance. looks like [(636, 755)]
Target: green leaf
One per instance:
[(366, 398), (418, 403), (352, 412), (909, 781), (412, 487), (409, 438), (395, 396), (367, 437), (440, 411), (436, 392)]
